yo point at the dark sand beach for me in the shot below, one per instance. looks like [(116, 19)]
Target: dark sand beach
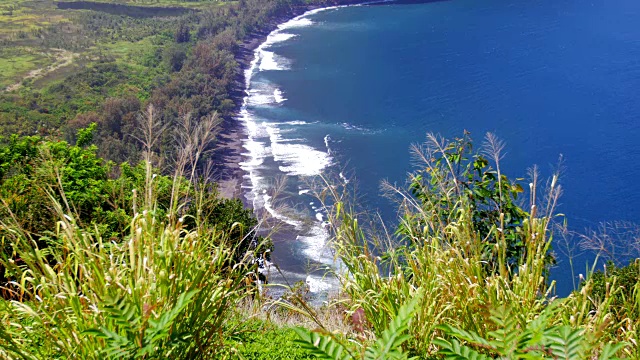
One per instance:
[(229, 149)]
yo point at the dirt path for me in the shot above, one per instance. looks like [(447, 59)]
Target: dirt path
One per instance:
[(63, 58)]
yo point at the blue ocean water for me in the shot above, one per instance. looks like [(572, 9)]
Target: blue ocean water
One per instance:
[(349, 89)]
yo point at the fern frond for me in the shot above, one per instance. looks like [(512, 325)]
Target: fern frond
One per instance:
[(389, 344), (566, 343), (118, 346), (160, 330), (467, 336), (123, 314), (609, 351), (505, 338), (453, 350), (322, 346)]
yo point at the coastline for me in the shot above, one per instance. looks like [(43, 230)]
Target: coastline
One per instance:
[(229, 150)]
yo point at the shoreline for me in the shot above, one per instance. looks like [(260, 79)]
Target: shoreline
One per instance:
[(229, 150)]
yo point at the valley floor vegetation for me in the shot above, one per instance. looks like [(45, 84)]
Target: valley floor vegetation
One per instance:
[(115, 243)]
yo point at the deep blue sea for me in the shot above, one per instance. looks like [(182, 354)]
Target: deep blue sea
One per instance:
[(348, 90)]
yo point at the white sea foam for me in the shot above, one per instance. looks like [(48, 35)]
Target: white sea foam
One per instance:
[(300, 159), (296, 23), (344, 178), (278, 96), (348, 126), (316, 246), (269, 60), (272, 61), (297, 159), (258, 97), (327, 139), (282, 217), (278, 36), (256, 152), (254, 129), (266, 140), (318, 284), (294, 123), (265, 93)]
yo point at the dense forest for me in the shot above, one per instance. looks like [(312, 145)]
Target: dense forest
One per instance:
[(116, 242)]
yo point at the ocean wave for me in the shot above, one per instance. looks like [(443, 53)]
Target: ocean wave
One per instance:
[(277, 37), (294, 123), (300, 159), (294, 157), (258, 97), (318, 284), (254, 129), (344, 178), (278, 96), (272, 61), (264, 93), (361, 129), (256, 153), (327, 139), (316, 245), (268, 205), (269, 60), (297, 159), (296, 23)]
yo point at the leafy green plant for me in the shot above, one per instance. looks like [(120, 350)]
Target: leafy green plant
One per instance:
[(388, 345), (537, 339), (159, 290), (254, 339), (440, 248), (141, 336), (164, 292), (620, 283), (456, 178)]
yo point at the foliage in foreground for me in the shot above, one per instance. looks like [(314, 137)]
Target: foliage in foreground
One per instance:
[(387, 346), (473, 269), (621, 285), (538, 340), (36, 173), (255, 339), (164, 287), (162, 292)]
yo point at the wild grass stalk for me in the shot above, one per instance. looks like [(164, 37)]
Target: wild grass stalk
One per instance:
[(162, 290), (441, 249)]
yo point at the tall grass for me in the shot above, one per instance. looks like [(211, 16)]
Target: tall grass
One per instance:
[(161, 291), (461, 266), (90, 299)]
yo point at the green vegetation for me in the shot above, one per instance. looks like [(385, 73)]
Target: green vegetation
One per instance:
[(387, 346), (95, 66), (115, 244), (262, 340), (537, 340), (162, 3), (85, 277), (173, 281)]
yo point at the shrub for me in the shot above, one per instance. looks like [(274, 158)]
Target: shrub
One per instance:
[(454, 179), (463, 264), (163, 291), (617, 285)]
